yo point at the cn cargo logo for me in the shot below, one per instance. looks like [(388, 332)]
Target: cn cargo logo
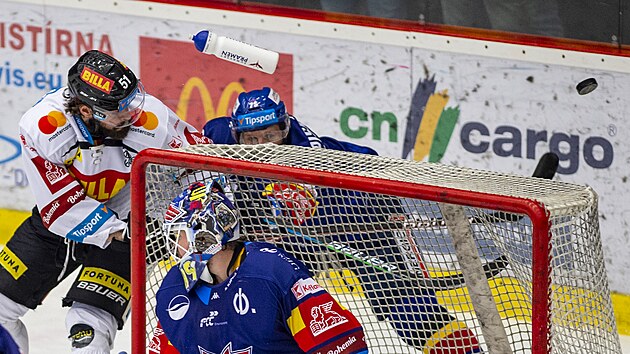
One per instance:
[(430, 123), (197, 93), (50, 122), (97, 80)]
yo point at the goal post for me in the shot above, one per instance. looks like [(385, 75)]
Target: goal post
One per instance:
[(372, 231)]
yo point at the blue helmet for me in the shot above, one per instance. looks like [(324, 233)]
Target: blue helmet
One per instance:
[(258, 109), (206, 217)]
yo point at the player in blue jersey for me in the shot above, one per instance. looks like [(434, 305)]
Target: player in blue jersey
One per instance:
[(268, 122), (227, 295), (7, 344), (260, 117)]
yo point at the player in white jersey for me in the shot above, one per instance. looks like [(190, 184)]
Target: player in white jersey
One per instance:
[(78, 143)]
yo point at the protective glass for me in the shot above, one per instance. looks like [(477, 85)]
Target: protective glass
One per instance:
[(271, 134), (129, 110)]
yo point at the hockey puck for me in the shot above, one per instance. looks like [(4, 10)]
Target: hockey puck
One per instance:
[(586, 86)]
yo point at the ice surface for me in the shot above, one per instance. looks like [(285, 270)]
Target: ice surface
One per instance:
[(47, 330)]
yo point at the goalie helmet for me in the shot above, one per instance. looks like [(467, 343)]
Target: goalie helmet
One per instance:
[(107, 86), (200, 221), (257, 110)]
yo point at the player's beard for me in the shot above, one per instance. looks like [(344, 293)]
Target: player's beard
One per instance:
[(115, 133)]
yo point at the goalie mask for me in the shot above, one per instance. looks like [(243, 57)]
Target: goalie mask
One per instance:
[(199, 222)]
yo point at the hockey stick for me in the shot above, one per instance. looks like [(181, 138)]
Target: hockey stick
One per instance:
[(545, 168), (443, 283)]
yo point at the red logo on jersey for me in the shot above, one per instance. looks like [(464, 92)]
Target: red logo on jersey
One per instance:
[(175, 143), (304, 287), (53, 176), (59, 206), (25, 144), (159, 343), (50, 122), (195, 138), (147, 120), (325, 318)]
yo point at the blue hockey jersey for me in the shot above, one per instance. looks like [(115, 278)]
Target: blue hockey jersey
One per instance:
[(373, 255), (270, 304), (7, 344), (218, 129)]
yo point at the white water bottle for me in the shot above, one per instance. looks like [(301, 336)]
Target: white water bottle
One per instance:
[(236, 51)]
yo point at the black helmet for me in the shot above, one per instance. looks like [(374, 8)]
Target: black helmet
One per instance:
[(97, 79)]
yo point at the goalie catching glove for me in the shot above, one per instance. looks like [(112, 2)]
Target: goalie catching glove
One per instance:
[(291, 200)]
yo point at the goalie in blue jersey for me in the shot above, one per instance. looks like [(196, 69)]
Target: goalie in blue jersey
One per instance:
[(227, 295), (258, 117)]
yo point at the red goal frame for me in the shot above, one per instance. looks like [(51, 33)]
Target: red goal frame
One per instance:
[(541, 252)]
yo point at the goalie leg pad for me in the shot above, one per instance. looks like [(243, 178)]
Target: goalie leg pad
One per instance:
[(90, 329), (416, 317), (454, 338), (103, 282)]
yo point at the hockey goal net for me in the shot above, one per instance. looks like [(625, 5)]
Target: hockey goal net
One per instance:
[(417, 251)]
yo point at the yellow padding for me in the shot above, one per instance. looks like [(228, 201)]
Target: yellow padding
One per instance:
[(340, 281), (10, 262), (106, 279), (11, 219), (295, 321), (441, 334), (621, 305)]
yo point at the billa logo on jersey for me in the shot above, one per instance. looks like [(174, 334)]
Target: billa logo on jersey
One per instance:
[(199, 95), (101, 186), (97, 80)]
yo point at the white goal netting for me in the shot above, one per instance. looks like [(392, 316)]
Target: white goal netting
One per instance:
[(375, 234)]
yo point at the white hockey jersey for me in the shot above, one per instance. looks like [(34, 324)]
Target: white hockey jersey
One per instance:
[(81, 188)]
